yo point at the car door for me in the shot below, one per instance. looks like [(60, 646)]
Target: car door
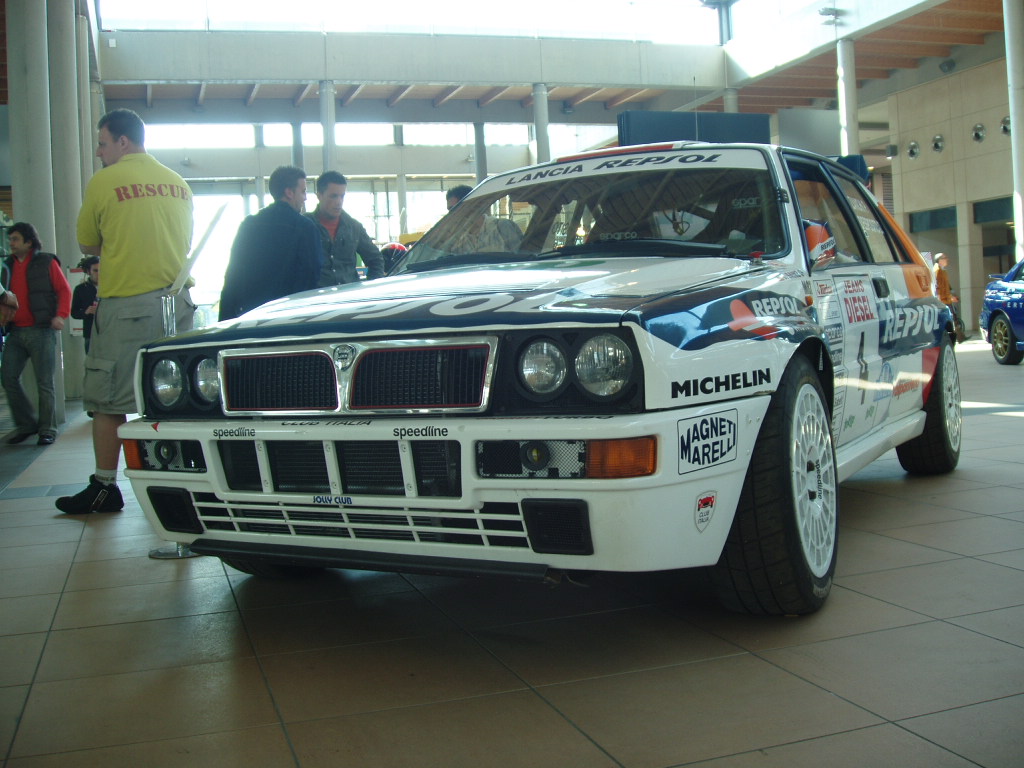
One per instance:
[(877, 324)]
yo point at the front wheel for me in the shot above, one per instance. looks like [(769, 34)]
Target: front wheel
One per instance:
[(937, 450), (780, 555), (1004, 342)]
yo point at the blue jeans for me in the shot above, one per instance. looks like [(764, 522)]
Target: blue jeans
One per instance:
[(40, 346)]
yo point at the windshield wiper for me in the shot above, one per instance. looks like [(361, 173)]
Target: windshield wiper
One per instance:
[(629, 247)]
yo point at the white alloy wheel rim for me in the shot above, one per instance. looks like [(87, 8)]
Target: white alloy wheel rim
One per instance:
[(814, 481), (951, 398)]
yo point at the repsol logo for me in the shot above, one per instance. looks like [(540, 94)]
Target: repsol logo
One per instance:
[(727, 382), (776, 305), (623, 162), (706, 441), (910, 321)]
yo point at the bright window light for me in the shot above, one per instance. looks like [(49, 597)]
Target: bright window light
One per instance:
[(662, 21), (200, 136)]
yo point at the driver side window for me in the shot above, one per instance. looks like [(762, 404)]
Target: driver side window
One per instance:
[(827, 233)]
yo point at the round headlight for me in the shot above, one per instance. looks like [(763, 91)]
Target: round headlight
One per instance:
[(604, 365), (168, 382), (542, 367), (207, 381)]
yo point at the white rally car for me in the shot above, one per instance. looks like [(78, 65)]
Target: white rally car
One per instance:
[(639, 359)]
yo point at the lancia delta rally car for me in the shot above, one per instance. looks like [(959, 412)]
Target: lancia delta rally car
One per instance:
[(650, 358)]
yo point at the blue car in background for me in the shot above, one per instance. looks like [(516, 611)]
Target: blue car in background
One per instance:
[(1002, 316)]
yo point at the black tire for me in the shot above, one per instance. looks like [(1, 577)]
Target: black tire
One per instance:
[(265, 570), (936, 451), (1004, 342), (780, 555)]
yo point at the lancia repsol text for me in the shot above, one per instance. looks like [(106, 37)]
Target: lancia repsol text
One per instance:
[(727, 382), (656, 160)]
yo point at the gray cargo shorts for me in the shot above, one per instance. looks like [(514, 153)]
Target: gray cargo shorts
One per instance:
[(122, 326)]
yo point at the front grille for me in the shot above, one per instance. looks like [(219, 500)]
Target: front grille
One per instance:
[(494, 525), (362, 467), (428, 377), (302, 381), (423, 375)]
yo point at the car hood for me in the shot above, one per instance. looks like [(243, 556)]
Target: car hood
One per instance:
[(582, 290)]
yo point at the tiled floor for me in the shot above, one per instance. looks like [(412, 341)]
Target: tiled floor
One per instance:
[(109, 658)]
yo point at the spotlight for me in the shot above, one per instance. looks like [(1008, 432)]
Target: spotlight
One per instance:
[(946, 66)]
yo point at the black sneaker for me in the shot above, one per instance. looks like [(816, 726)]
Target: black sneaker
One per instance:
[(97, 497)]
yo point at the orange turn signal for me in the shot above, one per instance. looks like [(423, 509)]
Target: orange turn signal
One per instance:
[(132, 454), (633, 457)]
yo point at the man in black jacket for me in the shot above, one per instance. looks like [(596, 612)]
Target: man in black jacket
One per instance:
[(83, 300), (276, 252), (341, 236)]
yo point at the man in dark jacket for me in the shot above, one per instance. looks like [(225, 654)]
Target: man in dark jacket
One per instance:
[(341, 236), (276, 252), (44, 302), (83, 300)]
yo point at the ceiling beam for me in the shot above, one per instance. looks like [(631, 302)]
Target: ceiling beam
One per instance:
[(149, 95), (303, 92), (201, 95), (491, 95), (252, 94), (446, 94), (582, 96), (398, 94), (352, 92)]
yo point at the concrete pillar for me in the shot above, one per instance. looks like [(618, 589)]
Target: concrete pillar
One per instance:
[(846, 89), (297, 145), (540, 121), (328, 105), (86, 118), (731, 100), (480, 151), (403, 204), (32, 163), (67, 198), (29, 115), (1013, 25), (969, 264)]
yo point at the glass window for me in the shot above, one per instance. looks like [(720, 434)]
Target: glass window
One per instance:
[(827, 233), (881, 246)]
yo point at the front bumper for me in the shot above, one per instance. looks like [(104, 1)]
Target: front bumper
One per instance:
[(436, 496)]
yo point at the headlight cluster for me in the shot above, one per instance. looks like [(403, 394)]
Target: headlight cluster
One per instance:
[(602, 366), (171, 382)]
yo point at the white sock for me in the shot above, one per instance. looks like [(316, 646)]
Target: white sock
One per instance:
[(106, 476)]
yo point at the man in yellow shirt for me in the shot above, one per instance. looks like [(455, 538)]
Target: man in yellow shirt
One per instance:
[(139, 214)]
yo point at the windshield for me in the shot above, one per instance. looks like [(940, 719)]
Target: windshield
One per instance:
[(670, 212)]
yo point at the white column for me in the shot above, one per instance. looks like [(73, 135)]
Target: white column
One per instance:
[(86, 118), (846, 89), (328, 105), (32, 159), (540, 121), (67, 196), (1013, 24), (731, 100), (297, 145), (29, 115), (480, 151), (403, 204)]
